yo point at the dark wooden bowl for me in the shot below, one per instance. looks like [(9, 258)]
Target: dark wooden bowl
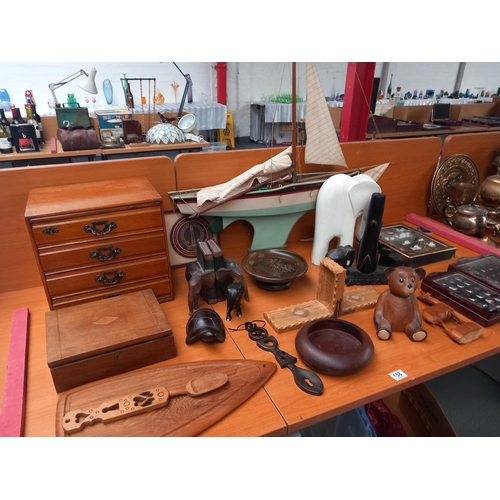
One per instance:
[(333, 346)]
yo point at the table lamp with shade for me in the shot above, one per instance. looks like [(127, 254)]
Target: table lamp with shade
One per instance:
[(87, 84)]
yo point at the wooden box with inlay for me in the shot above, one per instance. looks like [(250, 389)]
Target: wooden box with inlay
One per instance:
[(107, 337)]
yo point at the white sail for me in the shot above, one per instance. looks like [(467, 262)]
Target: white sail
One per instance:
[(376, 172), (261, 173), (322, 145), (322, 148)]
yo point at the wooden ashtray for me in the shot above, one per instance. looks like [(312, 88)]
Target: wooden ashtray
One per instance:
[(274, 269), (333, 346)]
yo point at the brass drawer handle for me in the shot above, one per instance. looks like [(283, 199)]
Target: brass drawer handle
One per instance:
[(110, 277), (105, 253), (100, 231), (50, 230)]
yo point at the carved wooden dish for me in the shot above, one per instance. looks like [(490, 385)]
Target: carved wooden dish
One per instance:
[(333, 346), (274, 269)]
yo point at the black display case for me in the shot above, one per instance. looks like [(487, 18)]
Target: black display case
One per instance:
[(418, 248), (470, 297)]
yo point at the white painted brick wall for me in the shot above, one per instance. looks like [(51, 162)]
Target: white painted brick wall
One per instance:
[(246, 81), (422, 76), (18, 77)]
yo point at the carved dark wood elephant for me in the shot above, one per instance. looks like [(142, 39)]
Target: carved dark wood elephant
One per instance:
[(234, 293), (344, 255), (232, 273), (197, 278)]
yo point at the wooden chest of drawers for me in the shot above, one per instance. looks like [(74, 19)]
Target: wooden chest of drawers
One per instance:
[(99, 239)]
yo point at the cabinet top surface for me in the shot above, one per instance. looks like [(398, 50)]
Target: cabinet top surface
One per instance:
[(69, 198)]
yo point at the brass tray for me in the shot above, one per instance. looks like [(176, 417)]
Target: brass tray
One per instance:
[(455, 168), (274, 269), (112, 143)]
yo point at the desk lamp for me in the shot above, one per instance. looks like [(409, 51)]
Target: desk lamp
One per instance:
[(187, 88), (88, 84)]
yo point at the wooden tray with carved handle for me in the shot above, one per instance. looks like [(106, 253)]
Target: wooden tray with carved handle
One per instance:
[(205, 392)]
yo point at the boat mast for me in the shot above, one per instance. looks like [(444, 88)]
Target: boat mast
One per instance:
[(294, 121)]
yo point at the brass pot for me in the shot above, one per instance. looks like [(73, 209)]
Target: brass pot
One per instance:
[(492, 232), (489, 192), (468, 219), (496, 164), (463, 193)]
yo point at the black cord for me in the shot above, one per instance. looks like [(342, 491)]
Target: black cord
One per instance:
[(249, 324)]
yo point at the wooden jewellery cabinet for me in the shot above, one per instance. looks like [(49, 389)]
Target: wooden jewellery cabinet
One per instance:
[(99, 239)]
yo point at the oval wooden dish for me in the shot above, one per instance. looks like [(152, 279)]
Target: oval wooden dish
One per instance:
[(333, 346)]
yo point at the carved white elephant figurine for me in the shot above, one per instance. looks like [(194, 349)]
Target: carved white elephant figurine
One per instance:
[(341, 200)]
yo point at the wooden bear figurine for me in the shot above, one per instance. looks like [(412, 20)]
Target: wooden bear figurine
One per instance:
[(397, 307)]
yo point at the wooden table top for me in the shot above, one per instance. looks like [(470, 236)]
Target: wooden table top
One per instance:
[(464, 129), (146, 147), (421, 361), (45, 153), (280, 407), (41, 399)]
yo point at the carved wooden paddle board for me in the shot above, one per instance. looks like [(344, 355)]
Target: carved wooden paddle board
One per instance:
[(183, 415)]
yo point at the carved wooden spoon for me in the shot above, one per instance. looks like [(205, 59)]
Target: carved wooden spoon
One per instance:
[(150, 399)]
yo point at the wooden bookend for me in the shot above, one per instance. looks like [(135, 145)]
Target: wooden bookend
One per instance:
[(293, 317), (331, 300), (219, 263), (206, 260), (359, 299), (329, 294), (330, 291)]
